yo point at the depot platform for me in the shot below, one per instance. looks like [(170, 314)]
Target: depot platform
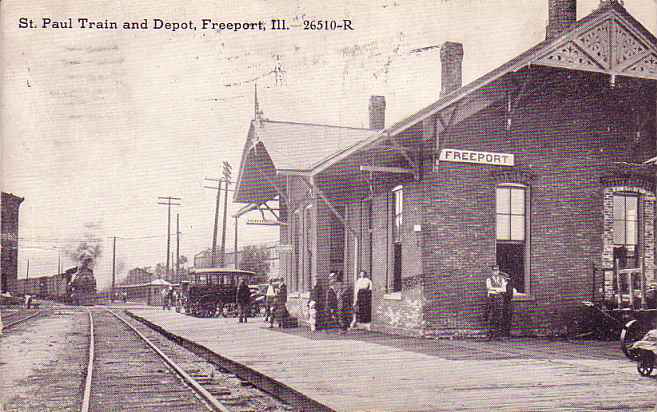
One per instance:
[(375, 372)]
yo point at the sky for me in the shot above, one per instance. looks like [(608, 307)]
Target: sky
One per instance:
[(96, 124)]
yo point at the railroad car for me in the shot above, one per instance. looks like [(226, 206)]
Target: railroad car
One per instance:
[(82, 287), (74, 286)]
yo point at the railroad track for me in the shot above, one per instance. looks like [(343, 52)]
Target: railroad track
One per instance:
[(15, 320), (127, 370)]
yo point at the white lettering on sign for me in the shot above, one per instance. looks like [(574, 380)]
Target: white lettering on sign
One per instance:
[(468, 156)]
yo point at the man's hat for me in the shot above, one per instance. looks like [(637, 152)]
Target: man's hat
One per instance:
[(495, 267)]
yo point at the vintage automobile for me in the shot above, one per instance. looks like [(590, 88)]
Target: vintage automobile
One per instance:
[(212, 292)]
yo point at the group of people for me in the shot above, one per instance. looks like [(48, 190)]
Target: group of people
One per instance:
[(344, 309), (274, 301), (123, 296), (170, 298)]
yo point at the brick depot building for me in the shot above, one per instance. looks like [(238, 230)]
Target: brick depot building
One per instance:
[(544, 166), (9, 241)]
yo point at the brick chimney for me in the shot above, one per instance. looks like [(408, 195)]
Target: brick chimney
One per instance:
[(451, 59), (562, 15), (605, 3), (377, 112)]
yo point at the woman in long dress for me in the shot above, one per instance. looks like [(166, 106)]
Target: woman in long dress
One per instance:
[(363, 303)]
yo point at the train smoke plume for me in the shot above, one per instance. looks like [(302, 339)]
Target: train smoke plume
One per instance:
[(89, 250), (87, 254)]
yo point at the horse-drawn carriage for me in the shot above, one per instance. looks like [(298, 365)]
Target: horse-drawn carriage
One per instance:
[(212, 292)]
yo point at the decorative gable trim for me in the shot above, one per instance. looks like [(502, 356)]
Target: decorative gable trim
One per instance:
[(609, 44)]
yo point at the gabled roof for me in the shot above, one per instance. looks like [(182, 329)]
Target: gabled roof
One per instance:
[(274, 146), (609, 40), (300, 146)]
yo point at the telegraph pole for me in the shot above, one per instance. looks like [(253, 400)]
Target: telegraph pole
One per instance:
[(237, 263), (168, 204), (27, 276), (113, 269), (177, 246), (227, 171), (216, 219)]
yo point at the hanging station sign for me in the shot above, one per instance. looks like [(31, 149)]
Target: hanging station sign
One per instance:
[(469, 156)]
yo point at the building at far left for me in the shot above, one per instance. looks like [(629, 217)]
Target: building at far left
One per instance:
[(10, 205)]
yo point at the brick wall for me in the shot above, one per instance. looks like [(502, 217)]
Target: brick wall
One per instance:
[(401, 312), (567, 141), (9, 241), (568, 132)]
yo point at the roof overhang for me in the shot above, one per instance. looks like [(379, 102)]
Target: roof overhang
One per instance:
[(257, 178), (609, 40)]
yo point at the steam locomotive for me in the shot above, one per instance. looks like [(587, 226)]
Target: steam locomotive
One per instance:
[(76, 286)]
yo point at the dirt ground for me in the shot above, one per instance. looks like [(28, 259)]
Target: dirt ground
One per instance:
[(42, 363)]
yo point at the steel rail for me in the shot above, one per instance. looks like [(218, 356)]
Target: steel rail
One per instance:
[(263, 382), (19, 321), (212, 402), (90, 366)]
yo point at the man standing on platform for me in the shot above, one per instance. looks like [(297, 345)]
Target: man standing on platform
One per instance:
[(496, 287), (164, 294), (507, 308), (332, 302), (243, 299)]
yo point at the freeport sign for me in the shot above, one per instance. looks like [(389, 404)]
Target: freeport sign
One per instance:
[(469, 156)]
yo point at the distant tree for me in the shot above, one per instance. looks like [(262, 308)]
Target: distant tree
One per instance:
[(183, 269), (160, 270), (255, 258)]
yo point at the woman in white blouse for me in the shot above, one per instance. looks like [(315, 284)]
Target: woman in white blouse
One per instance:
[(363, 303)]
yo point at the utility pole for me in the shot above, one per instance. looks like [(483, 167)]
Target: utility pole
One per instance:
[(237, 263), (168, 204), (27, 276), (177, 247), (216, 219), (227, 172), (113, 269)]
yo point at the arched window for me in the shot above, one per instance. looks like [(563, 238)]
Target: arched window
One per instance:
[(297, 251), (626, 229), (512, 204), (308, 248), (397, 216)]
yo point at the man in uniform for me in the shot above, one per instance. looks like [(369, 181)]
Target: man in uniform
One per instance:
[(496, 287)]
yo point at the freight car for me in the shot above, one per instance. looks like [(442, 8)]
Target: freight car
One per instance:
[(74, 286)]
